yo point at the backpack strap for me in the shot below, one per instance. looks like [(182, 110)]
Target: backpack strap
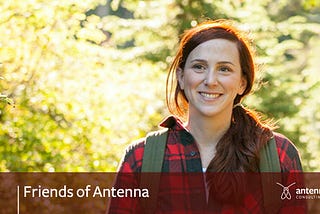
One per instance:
[(269, 160), (152, 161), (154, 151), (270, 164)]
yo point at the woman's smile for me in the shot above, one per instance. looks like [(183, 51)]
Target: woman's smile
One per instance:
[(209, 95)]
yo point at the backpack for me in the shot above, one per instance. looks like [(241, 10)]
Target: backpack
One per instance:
[(153, 156)]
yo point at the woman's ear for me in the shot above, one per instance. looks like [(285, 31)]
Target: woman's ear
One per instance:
[(243, 85), (180, 78)]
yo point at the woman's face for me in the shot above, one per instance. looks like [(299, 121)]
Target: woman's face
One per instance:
[(212, 78)]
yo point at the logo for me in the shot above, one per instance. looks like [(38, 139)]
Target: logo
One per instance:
[(285, 192)]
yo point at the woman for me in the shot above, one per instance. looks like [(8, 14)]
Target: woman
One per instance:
[(210, 75)]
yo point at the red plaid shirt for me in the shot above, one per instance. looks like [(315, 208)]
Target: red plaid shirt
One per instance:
[(182, 157)]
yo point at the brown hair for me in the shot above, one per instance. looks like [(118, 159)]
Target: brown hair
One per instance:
[(238, 149)]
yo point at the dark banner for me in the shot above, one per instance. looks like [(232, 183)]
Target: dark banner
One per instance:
[(159, 193)]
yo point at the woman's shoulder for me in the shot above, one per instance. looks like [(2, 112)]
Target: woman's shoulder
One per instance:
[(289, 156), (136, 146), (135, 151), (284, 144), (132, 160)]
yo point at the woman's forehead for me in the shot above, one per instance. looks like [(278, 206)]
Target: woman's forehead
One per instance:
[(221, 49)]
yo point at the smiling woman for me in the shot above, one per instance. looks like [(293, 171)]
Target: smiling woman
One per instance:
[(210, 130), (212, 74), (210, 80)]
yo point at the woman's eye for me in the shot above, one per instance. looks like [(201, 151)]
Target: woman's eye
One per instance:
[(199, 67), (225, 69)]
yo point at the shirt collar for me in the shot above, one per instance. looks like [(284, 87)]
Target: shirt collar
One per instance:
[(172, 122), (175, 124)]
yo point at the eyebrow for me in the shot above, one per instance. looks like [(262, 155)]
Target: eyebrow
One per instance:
[(220, 62), (198, 60)]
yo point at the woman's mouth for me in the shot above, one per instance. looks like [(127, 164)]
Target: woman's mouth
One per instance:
[(210, 95)]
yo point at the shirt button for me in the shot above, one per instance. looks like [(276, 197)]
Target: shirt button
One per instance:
[(192, 153)]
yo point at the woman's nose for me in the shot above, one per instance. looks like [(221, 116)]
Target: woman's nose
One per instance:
[(211, 79)]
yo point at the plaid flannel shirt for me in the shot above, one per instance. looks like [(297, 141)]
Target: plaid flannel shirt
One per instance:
[(188, 195)]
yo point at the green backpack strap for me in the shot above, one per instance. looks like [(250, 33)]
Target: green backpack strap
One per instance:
[(269, 159), (154, 151), (152, 161), (270, 164)]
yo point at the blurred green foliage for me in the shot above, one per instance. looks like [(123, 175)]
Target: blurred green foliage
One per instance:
[(86, 78)]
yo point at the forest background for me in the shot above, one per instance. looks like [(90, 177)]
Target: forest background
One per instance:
[(80, 80)]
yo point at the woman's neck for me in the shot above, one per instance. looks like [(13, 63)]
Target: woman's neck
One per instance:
[(207, 133), (208, 130)]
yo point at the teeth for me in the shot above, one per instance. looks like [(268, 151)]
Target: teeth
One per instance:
[(210, 95)]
